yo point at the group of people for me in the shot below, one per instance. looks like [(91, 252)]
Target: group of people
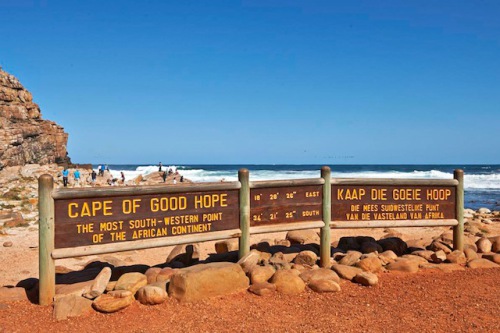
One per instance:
[(164, 174), (102, 168), (76, 175), (78, 181)]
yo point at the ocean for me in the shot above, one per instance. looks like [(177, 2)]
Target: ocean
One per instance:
[(481, 182)]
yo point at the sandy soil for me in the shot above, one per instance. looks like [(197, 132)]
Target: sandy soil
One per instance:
[(428, 301)]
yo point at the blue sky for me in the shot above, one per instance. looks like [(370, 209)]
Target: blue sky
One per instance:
[(306, 82)]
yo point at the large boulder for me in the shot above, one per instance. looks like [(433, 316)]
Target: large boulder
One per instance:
[(288, 282), (99, 284), (404, 265), (227, 245), (260, 274), (495, 244), (262, 289), (457, 257), (188, 254), (67, 306), (207, 280), (8, 294), (131, 282), (370, 264), (324, 286), (351, 258), (395, 244), (366, 279), (484, 245), (113, 301), (346, 272), (482, 263), (303, 236), (250, 260), (306, 258), (151, 295), (319, 274)]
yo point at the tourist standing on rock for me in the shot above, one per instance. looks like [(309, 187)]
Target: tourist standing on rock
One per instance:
[(182, 179), (164, 176), (123, 177), (93, 176), (101, 170), (159, 167), (76, 174), (65, 174), (175, 181)]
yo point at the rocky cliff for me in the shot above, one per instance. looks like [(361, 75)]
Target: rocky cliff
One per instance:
[(25, 138)]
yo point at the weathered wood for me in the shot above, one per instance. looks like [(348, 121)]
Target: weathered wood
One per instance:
[(392, 224), (394, 181), (458, 230), (244, 242), (327, 211), (263, 229), (78, 193), (143, 244), (286, 183), (47, 275), (392, 202), (274, 205), (88, 221)]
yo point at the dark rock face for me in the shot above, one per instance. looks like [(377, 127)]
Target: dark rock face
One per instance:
[(25, 138)]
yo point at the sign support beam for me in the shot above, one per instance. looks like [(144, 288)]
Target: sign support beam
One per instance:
[(458, 230), (244, 178), (327, 213), (47, 283)]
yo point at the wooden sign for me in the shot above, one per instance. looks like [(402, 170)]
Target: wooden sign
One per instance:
[(88, 221), (392, 202), (290, 204)]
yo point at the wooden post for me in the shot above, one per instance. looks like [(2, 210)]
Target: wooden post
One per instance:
[(327, 213), (458, 230), (47, 274), (244, 178)]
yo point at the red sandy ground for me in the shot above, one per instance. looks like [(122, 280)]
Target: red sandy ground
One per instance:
[(429, 301)]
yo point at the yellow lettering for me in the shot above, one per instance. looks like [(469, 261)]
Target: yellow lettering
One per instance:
[(70, 210), (85, 228), (168, 204)]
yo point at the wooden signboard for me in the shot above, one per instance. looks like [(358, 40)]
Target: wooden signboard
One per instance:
[(92, 221), (392, 202), (273, 205)]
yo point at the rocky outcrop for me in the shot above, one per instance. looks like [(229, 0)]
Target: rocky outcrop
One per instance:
[(25, 138)]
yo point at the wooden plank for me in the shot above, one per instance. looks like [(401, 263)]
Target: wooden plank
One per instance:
[(142, 244), (47, 275), (286, 183), (87, 221), (392, 224), (291, 204), (458, 230), (101, 192), (244, 207), (394, 181), (392, 202), (263, 229), (327, 216)]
